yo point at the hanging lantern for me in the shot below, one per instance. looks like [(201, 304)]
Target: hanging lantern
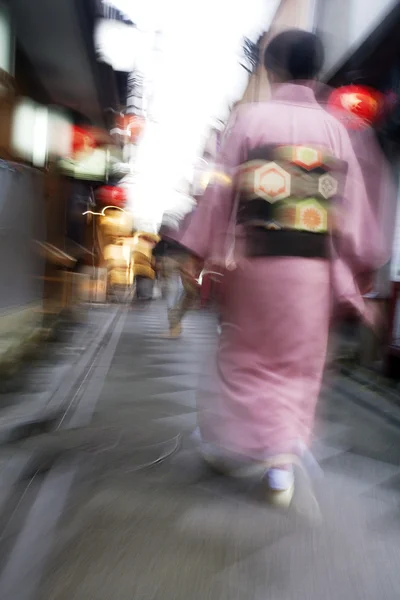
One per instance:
[(360, 106), (109, 195), (82, 140)]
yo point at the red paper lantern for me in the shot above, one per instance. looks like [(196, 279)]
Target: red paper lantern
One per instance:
[(82, 140), (110, 195), (358, 106)]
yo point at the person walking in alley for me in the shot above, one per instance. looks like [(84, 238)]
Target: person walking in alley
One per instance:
[(179, 278), (186, 294), (293, 230)]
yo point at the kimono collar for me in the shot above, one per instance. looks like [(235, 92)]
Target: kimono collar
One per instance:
[(294, 93)]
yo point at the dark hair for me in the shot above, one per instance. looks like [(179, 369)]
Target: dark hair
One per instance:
[(295, 54)]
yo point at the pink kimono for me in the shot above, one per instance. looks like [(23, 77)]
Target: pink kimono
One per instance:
[(276, 310)]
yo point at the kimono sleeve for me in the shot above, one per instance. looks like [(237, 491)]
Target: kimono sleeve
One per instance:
[(362, 241), (206, 233)]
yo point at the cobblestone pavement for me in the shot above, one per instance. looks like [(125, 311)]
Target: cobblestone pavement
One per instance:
[(176, 531)]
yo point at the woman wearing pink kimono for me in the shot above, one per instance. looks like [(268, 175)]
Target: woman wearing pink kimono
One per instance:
[(295, 225)]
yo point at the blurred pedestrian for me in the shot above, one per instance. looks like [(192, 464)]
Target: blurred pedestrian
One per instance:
[(292, 232), (180, 273), (144, 265), (184, 297)]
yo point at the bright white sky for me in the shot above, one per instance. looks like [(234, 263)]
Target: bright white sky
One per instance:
[(195, 76)]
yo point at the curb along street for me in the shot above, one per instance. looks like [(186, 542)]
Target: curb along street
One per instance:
[(24, 420)]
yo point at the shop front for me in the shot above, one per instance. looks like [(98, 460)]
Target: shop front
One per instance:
[(370, 61), (50, 82)]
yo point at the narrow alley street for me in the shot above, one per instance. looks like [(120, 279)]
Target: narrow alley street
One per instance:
[(145, 519), (200, 300)]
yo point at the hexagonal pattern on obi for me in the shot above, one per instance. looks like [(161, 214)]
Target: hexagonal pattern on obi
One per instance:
[(327, 186), (311, 216), (245, 177), (272, 182), (307, 158)]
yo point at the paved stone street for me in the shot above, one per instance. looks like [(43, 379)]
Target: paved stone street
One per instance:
[(175, 531)]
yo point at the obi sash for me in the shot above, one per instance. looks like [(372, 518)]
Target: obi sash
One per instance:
[(286, 199)]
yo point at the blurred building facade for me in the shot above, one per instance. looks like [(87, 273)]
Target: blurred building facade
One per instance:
[(48, 71), (363, 48), (344, 25)]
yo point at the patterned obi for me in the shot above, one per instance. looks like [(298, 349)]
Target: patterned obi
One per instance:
[(287, 196)]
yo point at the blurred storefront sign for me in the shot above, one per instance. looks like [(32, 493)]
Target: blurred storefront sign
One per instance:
[(89, 166), (60, 132), (99, 164), (38, 132), (30, 132)]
